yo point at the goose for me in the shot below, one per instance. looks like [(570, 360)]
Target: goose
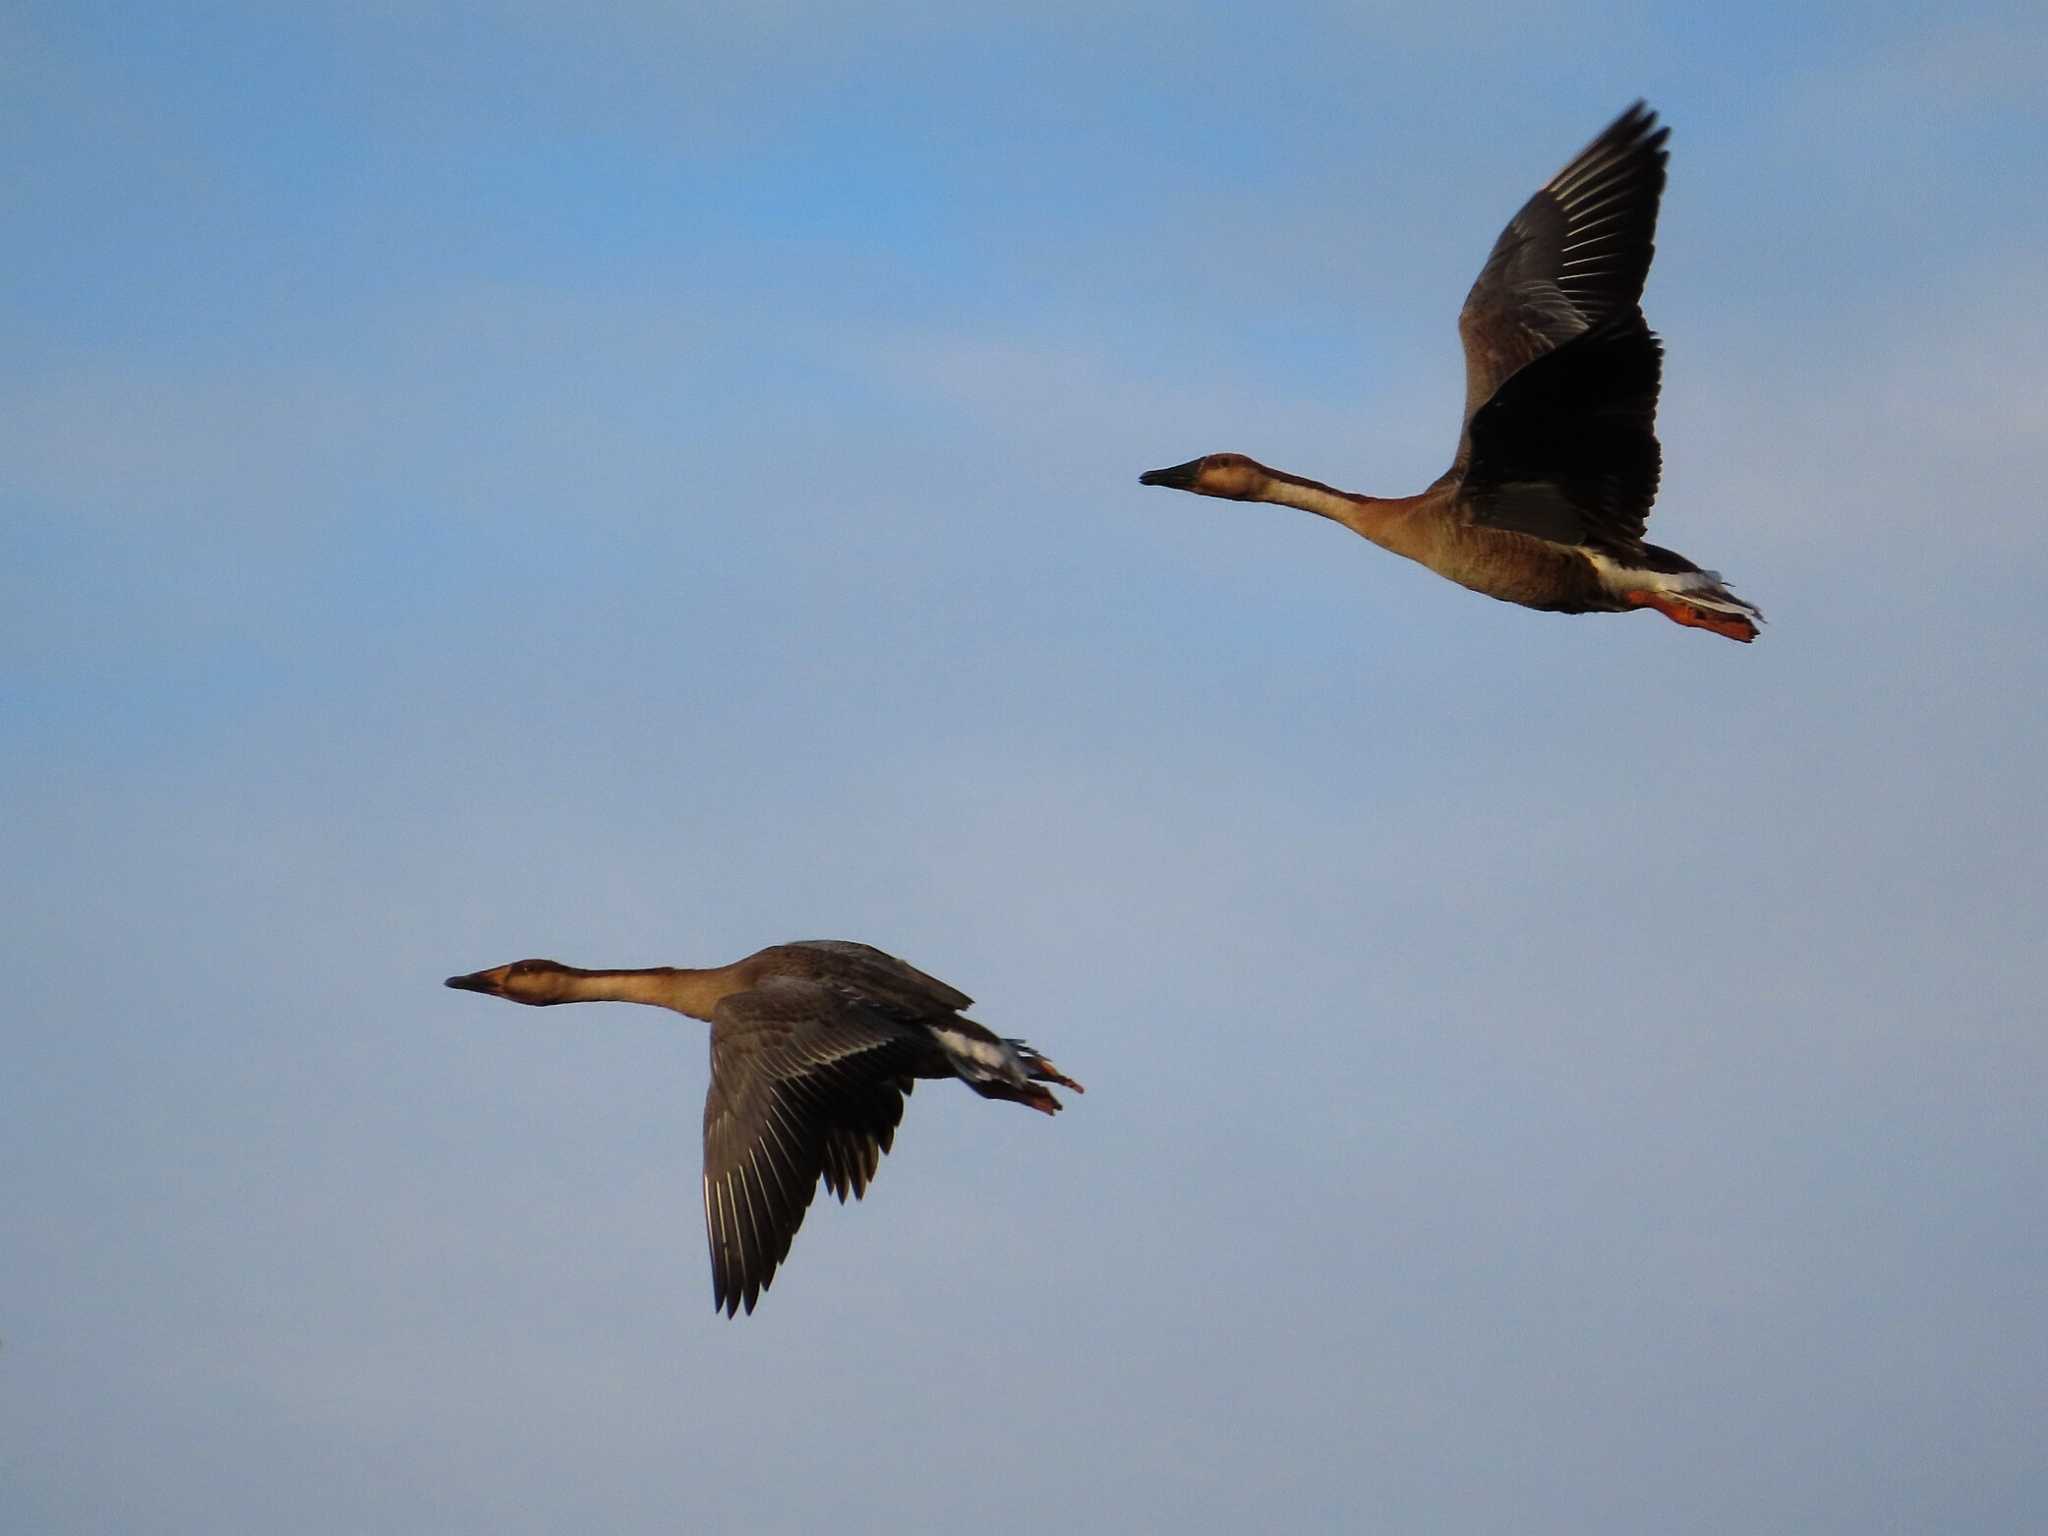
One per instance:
[(1557, 461), (813, 1046)]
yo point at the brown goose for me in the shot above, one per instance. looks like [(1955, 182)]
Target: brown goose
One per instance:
[(1557, 464), (813, 1046)]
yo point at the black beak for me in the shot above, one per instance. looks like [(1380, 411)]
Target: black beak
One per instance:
[(482, 981), (1180, 477)]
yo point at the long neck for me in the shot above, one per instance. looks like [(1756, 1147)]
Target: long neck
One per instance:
[(686, 991), (1383, 519)]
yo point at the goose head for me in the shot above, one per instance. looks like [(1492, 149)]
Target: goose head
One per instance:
[(1229, 475), (537, 982)]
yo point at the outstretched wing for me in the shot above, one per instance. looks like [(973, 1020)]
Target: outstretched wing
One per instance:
[(1570, 262), (805, 1083)]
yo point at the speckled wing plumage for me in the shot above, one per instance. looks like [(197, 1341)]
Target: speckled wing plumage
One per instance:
[(807, 1081), (1561, 372)]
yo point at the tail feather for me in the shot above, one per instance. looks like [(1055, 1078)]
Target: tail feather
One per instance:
[(997, 1067), (1712, 608), (1679, 590)]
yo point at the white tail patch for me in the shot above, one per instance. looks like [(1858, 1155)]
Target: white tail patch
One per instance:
[(1702, 589), (978, 1057)]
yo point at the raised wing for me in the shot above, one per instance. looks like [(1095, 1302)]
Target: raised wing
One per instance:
[(805, 1083), (1571, 262), (1567, 448)]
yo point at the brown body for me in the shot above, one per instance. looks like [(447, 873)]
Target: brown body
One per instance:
[(1557, 464), (813, 1047)]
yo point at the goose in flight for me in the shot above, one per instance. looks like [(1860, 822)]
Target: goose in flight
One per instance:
[(1557, 462), (813, 1046)]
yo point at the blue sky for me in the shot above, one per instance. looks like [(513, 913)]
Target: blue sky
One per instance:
[(501, 480)]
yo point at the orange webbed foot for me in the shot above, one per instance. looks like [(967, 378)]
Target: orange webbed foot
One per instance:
[(1679, 611)]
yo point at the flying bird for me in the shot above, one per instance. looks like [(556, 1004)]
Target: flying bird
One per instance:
[(813, 1046), (1557, 463)]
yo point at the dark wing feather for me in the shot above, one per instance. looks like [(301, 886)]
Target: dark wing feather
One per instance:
[(873, 975), (1567, 448), (854, 1146), (1571, 261), (804, 1083)]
